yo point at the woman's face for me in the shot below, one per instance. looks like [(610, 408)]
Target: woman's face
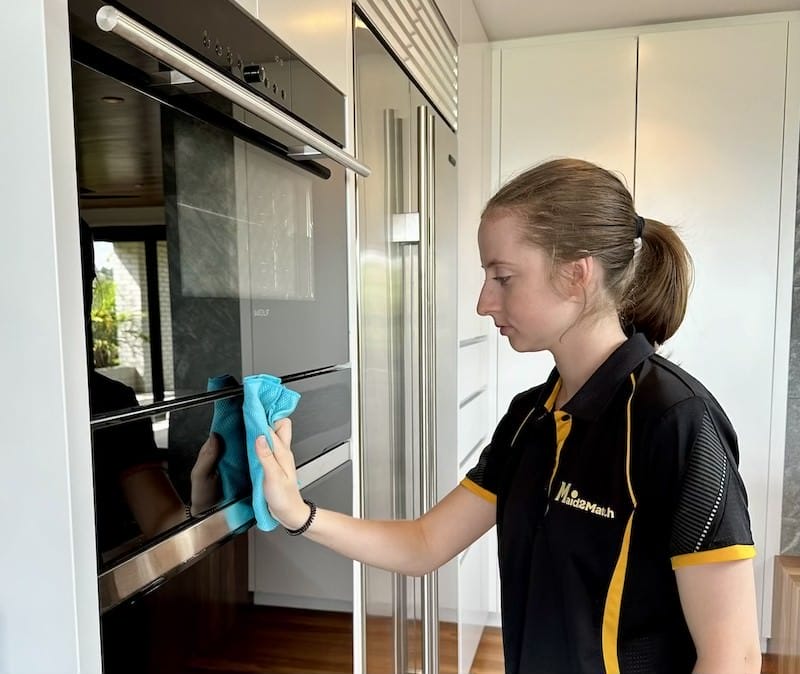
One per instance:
[(519, 289)]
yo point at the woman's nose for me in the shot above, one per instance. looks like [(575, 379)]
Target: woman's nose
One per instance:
[(484, 301)]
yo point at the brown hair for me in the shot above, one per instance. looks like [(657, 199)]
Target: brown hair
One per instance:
[(574, 209)]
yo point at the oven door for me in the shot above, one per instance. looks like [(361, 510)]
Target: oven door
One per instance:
[(215, 246)]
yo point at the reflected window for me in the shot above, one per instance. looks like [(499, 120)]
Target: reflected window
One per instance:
[(130, 315)]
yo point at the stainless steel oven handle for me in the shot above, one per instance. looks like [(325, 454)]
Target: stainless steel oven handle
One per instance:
[(112, 20)]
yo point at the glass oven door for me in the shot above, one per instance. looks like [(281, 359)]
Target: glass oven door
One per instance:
[(214, 236)]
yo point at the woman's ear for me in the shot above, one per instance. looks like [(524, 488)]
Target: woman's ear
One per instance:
[(579, 276)]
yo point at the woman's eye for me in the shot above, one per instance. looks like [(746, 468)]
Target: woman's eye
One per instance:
[(502, 280)]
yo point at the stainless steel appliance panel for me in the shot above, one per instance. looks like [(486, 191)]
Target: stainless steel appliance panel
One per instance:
[(322, 418), (214, 247), (407, 340)]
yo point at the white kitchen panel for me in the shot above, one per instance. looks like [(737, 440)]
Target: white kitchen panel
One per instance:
[(474, 153), (474, 424), (470, 459), (318, 30), (250, 5), (709, 161), (574, 98), (473, 367)]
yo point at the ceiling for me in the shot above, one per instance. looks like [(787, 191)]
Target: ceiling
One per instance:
[(508, 19)]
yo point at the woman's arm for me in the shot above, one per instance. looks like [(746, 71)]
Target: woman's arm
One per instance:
[(719, 604), (411, 547)]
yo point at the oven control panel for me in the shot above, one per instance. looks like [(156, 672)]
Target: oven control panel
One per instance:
[(227, 37)]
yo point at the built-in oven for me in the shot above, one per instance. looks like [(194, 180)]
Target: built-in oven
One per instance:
[(211, 184)]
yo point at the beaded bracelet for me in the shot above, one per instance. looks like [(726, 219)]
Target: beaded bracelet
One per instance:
[(304, 528)]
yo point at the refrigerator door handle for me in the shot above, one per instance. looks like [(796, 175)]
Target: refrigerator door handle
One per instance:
[(427, 376), (397, 441)]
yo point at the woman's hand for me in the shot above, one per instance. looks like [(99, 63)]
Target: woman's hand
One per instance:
[(280, 477), (411, 547)]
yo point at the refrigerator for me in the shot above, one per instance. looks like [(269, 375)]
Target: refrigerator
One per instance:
[(407, 348)]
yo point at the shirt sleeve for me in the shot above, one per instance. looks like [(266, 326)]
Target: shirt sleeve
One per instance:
[(479, 478), (709, 521)]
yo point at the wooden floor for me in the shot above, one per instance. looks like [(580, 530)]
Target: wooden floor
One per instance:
[(282, 641), (294, 641)]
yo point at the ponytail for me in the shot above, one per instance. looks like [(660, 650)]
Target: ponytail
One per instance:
[(655, 302)]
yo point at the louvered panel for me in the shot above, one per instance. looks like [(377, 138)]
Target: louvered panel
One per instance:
[(417, 34), (439, 65), (415, 62), (431, 37), (398, 15)]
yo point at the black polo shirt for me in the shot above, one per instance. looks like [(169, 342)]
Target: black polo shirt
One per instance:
[(597, 503)]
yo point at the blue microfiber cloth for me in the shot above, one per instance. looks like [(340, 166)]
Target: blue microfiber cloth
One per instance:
[(266, 401), (228, 424)]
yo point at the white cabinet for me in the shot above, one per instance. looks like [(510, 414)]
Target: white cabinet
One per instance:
[(48, 598), (703, 106), (708, 160), (476, 566), (319, 30), (575, 99), (250, 5)]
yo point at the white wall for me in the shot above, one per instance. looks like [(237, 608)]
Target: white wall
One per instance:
[(48, 596)]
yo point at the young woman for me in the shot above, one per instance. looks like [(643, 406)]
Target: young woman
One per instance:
[(623, 535)]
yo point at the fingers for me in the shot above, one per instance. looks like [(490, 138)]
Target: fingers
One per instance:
[(280, 480), (281, 447), (264, 454), (283, 428), (280, 456)]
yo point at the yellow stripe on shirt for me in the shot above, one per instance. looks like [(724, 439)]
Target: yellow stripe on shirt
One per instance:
[(485, 494), (731, 553), (613, 607)]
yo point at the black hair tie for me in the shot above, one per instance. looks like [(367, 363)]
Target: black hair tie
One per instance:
[(639, 227)]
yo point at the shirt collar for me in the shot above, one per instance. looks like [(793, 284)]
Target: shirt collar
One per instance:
[(594, 396)]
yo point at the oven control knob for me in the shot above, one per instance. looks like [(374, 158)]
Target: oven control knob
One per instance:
[(254, 73)]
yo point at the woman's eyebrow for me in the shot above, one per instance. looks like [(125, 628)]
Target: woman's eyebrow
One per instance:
[(497, 263)]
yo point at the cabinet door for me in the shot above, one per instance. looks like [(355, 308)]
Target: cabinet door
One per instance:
[(318, 30), (573, 99), (708, 160)]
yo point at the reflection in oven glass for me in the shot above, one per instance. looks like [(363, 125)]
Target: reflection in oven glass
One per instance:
[(135, 497), (153, 475), (243, 214)]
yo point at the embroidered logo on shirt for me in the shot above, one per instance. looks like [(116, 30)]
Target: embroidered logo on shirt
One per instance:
[(570, 497)]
